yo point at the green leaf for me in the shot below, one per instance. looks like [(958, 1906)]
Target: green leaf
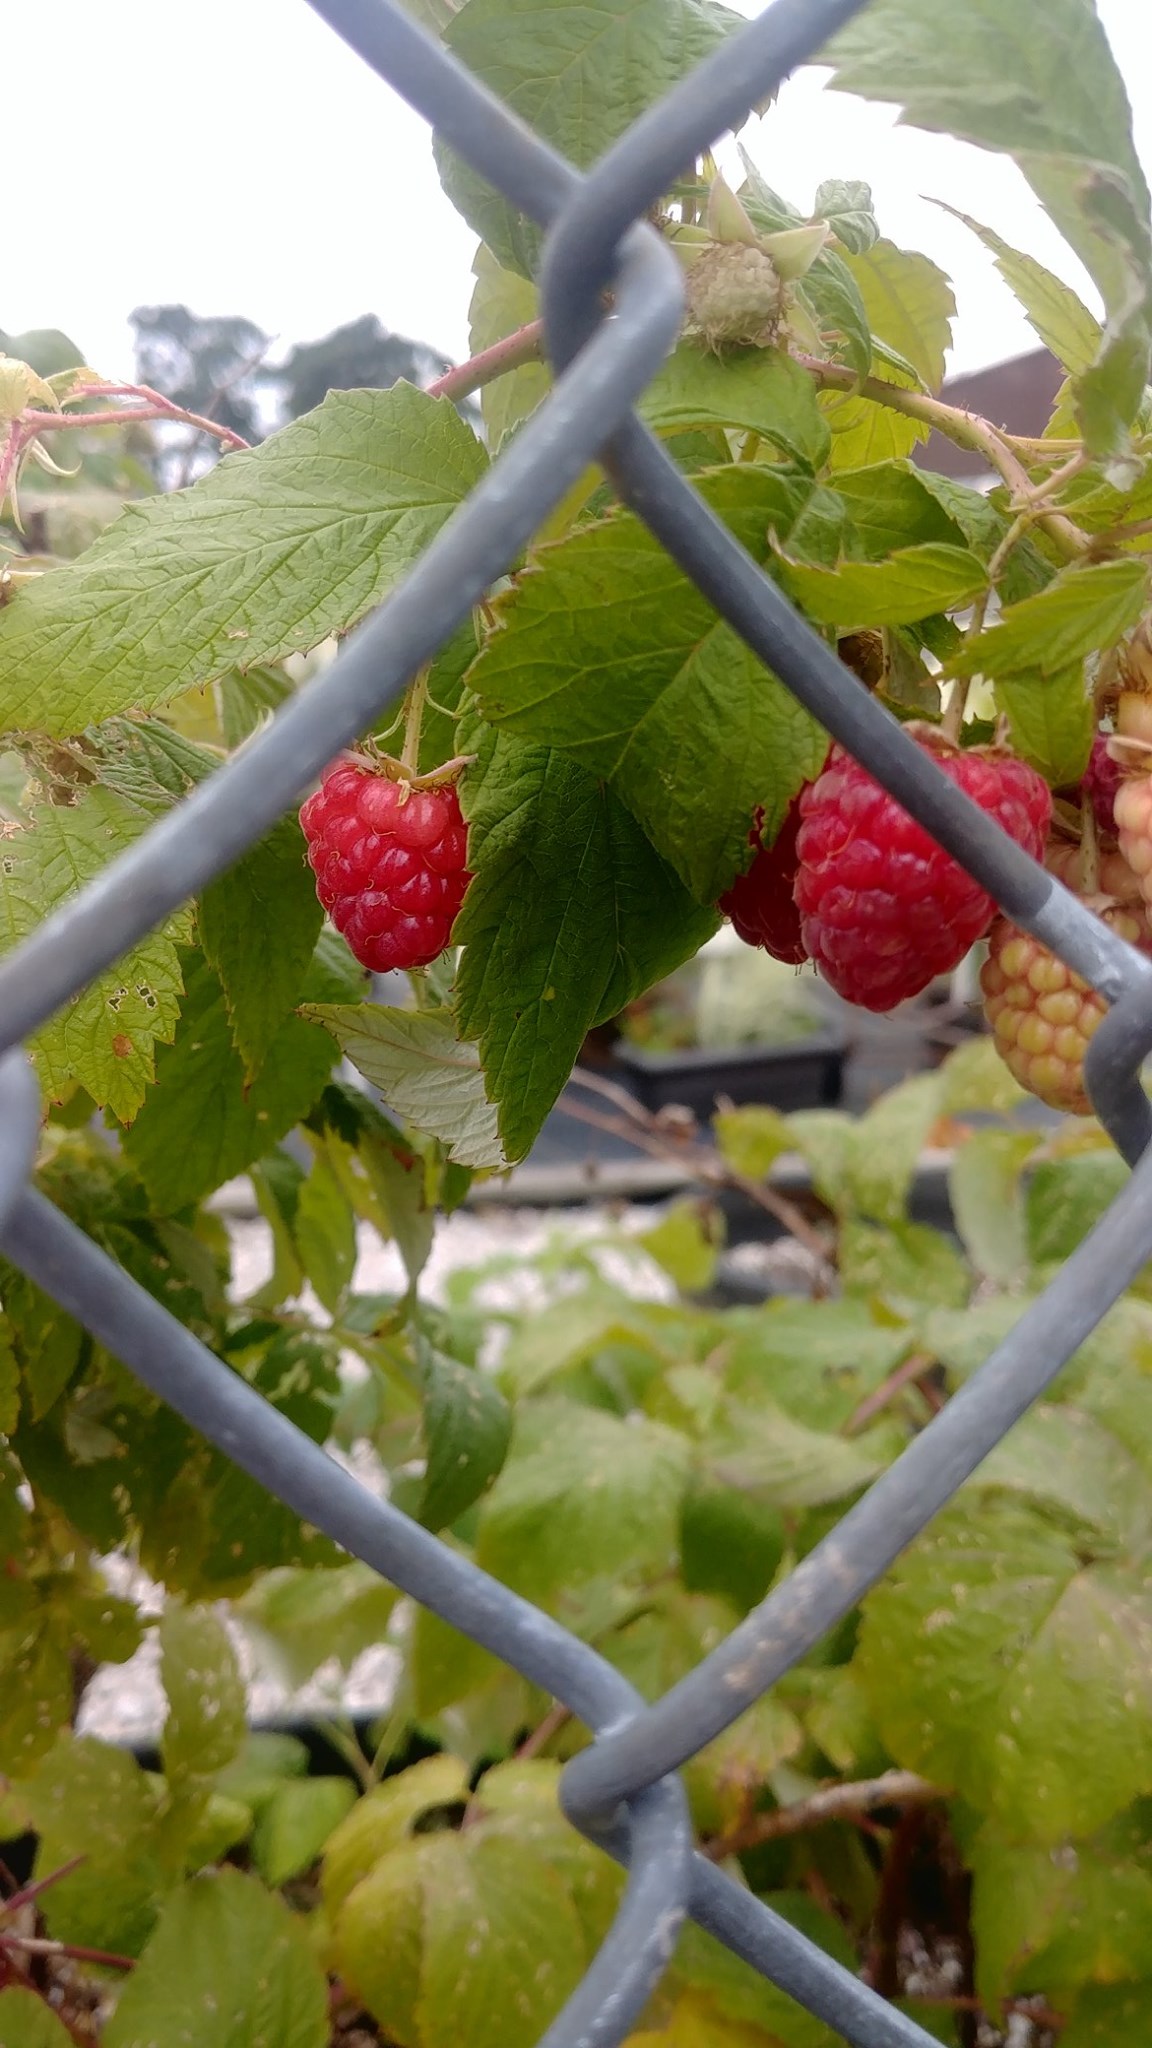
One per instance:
[(1048, 93), (237, 1966), (201, 1122), (731, 1544), (761, 390), (88, 1799), (686, 1243), (766, 1453), (1082, 611), (503, 301), (570, 915), (1110, 2016), (385, 1818), (752, 1138), (910, 306), (293, 1826), (1024, 1662), (1076, 1915), (313, 1615), (846, 205), (817, 1359), (1061, 320), (581, 1494), (887, 1144), (984, 1188), (1053, 721), (975, 1077), (324, 1230), (892, 505), (28, 2021), (427, 1076), (1065, 1200), (106, 1036), (608, 652), (273, 550), (578, 75), (206, 1722), (258, 926), (467, 1427), (909, 1262), (912, 583)]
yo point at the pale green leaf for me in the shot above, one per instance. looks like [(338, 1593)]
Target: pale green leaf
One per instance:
[(975, 1077), (89, 1799), (467, 1427), (258, 926), (206, 1722), (503, 301), (686, 1243), (570, 915), (201, 1123), (578, 75), (268, 554), (984, 1188), (582, 1493), (887, 1144), (761, 390), (385, 1818), (293, 1826), (28, 2021), (324, 1230), (765, 1452), (1061, 320), (502, 1991), (910, 306), (908, 1262), (752, 1138), (1110, 2016), (912, 583), (1082, 610), (817, 1359), (427, 1076), (610, 653), (313, 1615), (1052, 721), (105, 1037), (1024, 1651), (237, 1967)]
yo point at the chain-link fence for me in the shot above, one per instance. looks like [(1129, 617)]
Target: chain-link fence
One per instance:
[(620, 1791)]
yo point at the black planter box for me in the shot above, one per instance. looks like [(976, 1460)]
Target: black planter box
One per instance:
[(806, 1075)]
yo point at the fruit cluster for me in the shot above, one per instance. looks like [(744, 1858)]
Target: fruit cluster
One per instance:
[(389, 858), (854, 884)]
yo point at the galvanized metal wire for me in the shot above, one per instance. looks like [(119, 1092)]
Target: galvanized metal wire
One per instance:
[(622, 1791)]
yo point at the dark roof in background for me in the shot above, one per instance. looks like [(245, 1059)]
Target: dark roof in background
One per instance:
[(1018, 395)]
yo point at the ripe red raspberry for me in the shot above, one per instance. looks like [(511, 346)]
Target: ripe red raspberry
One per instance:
[(883, 908), (1042, 1015), (1133, 810), (1101, 780), (760, 902), (389, 863)]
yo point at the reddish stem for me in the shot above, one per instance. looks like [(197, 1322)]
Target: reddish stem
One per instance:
[(40, 1884), (524, 346)]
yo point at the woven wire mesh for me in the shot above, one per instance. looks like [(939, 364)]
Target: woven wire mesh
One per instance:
[(622, 1791)]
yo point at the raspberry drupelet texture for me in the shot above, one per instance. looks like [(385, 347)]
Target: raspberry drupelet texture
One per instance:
[(1062, 859), (389, 862), (883, 908), (1100, 782), (1043, 1016), (760, 903)]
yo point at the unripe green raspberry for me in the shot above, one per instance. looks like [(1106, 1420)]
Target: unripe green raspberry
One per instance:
[(735, 297)]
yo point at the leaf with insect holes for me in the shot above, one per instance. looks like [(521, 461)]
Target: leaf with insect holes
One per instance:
[(579, 76), (258, 925), (236, 1965), (609, 653), (1046, 91), (206, 1722), (90, 1800), (267, 555), (571, 913), (427, 1076), (203, 1122), (104, 1037)]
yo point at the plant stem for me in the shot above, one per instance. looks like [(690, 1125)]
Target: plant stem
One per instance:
[(526, 345), (553, 1721), (832, 1802), (37, 1945), (413, 722), (873, 1404), (966, 429)]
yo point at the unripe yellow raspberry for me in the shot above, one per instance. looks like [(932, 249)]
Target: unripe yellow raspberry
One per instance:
[(1042, 1015)]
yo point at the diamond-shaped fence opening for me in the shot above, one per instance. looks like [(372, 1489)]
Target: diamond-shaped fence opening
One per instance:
[(622, 1791)]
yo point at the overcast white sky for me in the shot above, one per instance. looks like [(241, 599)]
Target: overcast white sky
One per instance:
[(235, 155)]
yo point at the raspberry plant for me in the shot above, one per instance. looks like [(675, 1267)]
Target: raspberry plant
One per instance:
[(952, 1794)]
